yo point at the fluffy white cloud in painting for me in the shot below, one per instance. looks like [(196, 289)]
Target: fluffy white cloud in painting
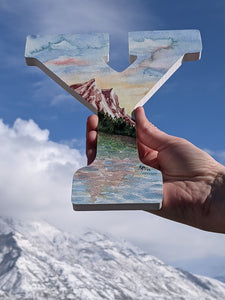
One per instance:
[(36, 173)]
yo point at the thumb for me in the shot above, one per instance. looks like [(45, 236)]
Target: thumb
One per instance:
[(148, 134)]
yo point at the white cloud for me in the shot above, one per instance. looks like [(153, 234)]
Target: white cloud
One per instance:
[(36, 173), (219, 155), (73, 16), (29, 129), (49, 92), (64, 99), (35, 181), (55, 16)]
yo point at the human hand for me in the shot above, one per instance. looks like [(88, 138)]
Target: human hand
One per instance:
[(193, 182)]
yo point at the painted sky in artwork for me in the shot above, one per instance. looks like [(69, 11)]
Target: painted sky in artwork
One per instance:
[(81, 57)]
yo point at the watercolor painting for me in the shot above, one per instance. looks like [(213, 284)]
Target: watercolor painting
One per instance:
[(79, 63)]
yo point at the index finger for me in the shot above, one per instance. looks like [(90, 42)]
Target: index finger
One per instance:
[(91, 138)]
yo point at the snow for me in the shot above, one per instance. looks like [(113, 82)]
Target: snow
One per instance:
[(55, 265)]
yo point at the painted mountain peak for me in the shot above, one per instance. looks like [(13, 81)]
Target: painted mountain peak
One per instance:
[(105, 100)]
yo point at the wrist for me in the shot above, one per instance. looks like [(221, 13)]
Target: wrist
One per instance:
[(216, 212)]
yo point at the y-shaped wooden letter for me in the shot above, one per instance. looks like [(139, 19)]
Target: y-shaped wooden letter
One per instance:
[(78, 62)]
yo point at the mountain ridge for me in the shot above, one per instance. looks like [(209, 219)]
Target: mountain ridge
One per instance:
[(38, 261), (105, 100)]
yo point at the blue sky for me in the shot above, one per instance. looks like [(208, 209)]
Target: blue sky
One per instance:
[(43, 128), (189, 105)]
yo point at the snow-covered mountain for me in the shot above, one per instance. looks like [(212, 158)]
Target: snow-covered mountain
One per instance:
[(102, 99), (38, 261)]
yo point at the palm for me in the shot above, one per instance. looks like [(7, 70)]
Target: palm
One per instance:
[(188, 174)]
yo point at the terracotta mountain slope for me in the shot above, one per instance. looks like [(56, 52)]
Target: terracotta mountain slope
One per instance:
[(102, 99)]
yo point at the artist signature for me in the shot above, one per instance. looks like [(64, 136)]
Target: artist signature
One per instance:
[(144, 169)]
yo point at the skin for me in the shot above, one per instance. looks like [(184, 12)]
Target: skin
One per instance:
[(193, 182)]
